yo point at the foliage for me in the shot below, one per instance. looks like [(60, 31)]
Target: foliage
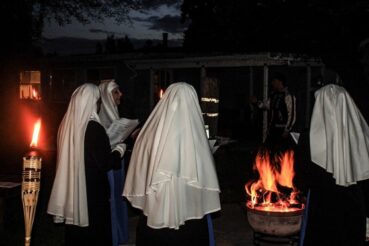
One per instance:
[(84, 11), (23, 20), (308, 26)]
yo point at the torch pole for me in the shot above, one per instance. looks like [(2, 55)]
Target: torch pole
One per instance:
[(30, 190)]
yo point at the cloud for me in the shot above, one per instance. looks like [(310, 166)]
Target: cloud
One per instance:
[(96, 30), (154, 4), (167, 23)]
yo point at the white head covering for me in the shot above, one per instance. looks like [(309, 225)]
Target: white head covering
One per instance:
[(171, 175), (339, 136), (109, 109), (68, 200)]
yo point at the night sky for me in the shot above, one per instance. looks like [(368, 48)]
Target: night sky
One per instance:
[(155, 18)]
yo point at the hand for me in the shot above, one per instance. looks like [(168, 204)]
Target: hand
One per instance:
[(121, 148)]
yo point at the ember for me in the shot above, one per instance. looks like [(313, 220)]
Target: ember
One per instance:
[(274, 190)]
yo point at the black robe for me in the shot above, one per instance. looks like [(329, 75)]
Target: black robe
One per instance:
[(98, 161), (336, 214), (193, 233)]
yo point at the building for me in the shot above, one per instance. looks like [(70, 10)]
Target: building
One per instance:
[(143, 77)]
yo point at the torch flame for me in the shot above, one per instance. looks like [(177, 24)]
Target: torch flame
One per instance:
[(36, 131)]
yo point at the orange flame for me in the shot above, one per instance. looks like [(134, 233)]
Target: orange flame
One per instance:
[(261, 191), (265, 170), (285, 177), (34, 93), (36, 131)]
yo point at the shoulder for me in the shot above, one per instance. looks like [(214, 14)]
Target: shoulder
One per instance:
[(95, 127), (95, 132), (288, 94)]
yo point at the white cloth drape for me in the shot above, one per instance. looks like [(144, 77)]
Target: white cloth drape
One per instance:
[(68, 199), (171, 175), (109, 110), (339, 136)]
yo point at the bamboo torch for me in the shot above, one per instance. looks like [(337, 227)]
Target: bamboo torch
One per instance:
[(31, 183)]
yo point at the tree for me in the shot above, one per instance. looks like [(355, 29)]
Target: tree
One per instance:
[(332, 30), (21, 24), (23, 20), (124, 45), (110, 44), (308, 26)]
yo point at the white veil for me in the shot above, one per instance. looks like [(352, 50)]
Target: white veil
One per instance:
[(172, 175), (339, 136), (109, 110), (68, 199)]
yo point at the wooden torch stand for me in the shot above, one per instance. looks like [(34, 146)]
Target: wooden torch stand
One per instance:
[(30, 190)]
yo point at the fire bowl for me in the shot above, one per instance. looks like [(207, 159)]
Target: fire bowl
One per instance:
[(279, 224)]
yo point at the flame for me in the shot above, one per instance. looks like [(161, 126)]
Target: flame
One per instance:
[(36, 131), (285, 177), (161, 93), (264, 193), (266, 173), (34, 93)]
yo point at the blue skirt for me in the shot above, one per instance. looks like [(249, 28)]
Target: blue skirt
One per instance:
[(118, 206)]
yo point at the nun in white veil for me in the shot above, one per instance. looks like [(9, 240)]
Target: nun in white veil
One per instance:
[(171, 176), (110, 96), (339, 153), (339, 136), (80, 193)]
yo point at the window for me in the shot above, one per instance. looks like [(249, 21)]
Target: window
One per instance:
[(30, 85)]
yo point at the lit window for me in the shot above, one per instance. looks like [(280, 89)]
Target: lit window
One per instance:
[(30, 85)]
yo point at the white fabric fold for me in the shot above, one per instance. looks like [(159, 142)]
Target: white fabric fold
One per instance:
[(109, 110), (339, 136), (172, 175), (68, 199)]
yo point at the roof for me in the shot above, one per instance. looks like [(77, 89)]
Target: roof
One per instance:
[(183, 60)]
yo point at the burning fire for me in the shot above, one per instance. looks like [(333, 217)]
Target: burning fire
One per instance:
[(36, 131), (274, 190), (34, 94)]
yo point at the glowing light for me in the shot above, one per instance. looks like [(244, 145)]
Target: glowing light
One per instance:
[(35, 95), (285, 177), (36, 132), (264, 193), (209, 99)]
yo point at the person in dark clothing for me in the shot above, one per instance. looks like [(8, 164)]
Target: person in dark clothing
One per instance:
[(281, 107), (80, 193), (332, 162)]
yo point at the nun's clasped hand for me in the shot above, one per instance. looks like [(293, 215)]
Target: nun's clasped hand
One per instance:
[(121, 148)]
